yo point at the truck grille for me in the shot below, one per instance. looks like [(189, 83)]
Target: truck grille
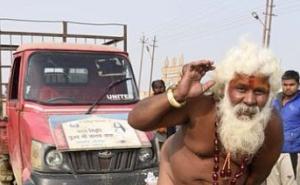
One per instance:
[(101, 161)]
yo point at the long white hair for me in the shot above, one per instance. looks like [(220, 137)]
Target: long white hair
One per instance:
[(249, 59)]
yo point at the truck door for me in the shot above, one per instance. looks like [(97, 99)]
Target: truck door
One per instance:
[(13, 113)]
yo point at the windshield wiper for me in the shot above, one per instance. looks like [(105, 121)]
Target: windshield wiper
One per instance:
[(111, 85)]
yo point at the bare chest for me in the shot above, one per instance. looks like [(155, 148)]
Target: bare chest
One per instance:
[(197, 169), (209, 162), (199, 135)]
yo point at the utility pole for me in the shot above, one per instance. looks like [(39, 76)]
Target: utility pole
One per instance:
[(143, 41), (256, 16), (152, 60), (268, 23)]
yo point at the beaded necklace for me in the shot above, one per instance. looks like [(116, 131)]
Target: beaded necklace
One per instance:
[(225, 172)]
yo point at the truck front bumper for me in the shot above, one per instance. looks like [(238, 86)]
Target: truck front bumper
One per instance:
[(131, 178)]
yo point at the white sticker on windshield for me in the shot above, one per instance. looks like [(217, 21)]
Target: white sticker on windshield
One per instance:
[(117, 97)]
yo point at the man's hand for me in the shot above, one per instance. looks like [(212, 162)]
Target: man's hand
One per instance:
[(189, 86)]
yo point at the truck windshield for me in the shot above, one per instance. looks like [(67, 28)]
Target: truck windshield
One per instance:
[(78, 78)]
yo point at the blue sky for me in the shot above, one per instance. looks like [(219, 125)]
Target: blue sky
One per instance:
[(195, 28)]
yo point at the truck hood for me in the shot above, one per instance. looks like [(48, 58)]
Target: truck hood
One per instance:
[(86, 132)]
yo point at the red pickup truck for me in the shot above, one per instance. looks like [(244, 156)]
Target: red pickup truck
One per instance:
[(67, 107)]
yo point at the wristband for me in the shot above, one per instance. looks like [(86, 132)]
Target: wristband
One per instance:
[(171, 99)]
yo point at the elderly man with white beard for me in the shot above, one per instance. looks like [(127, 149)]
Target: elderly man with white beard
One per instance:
[(231, 136)]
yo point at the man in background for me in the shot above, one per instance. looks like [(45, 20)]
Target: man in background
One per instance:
[(287, 103), (159, 87)]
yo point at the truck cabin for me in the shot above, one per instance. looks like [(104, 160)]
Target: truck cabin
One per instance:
[(66, 77)]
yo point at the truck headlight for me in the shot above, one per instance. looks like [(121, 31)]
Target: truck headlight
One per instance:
[(145, 154), (54, 158), (46, 158)]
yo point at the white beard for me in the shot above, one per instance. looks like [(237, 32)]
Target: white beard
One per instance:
[(243, 135)]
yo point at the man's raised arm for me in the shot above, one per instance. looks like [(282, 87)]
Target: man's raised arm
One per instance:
[(168, 109)]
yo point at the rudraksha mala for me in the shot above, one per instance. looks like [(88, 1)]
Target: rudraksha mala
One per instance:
[(225, 171)]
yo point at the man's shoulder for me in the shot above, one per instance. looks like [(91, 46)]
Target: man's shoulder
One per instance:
[(275, 116), (202, 100), (274, 131), (202, 103), (275, 123)]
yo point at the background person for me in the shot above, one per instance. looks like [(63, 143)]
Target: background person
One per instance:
[(158, 87), (287, 103)]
